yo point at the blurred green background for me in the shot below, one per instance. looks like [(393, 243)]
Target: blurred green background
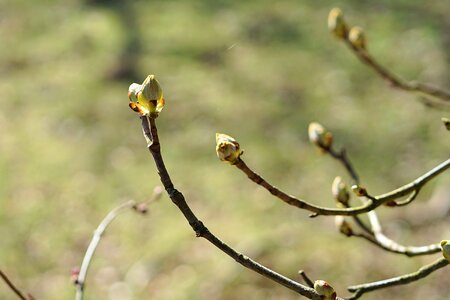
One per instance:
[(71, 149)]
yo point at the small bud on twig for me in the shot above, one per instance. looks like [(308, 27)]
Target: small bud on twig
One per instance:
[(446, 123), (359, 191), (141, 207), (227, 148), (74, 272), (146, 99), (319, 136), (357, 37), (339, 191), (445, 245), (336, 23), (390, 203), (343, 226), (325, 290)]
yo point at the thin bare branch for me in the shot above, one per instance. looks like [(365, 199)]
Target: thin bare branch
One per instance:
[(424, 271), (395, 247), (14, 288), (422, 89), (343, 158), (351, 211), (415, 185), (150, 130), (306, 279), (98, 233)]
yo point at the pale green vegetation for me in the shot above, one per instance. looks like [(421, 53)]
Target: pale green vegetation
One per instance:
[(71, 149)]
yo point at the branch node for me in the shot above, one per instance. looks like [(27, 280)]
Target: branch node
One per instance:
[(199, 228)]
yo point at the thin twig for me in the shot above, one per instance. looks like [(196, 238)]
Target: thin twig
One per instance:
[(415, 185), (14, 288), (98, 233), (200, 229), (351, 211), (399, 280), (343, 158), (420, 88), (306, 279), (395, 247)]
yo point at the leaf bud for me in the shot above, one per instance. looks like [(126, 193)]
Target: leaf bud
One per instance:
[(325, 290), (339, 190), (227, 148), (445, 245), (146, 98), (336, 23), (74, 273), (319, 136), (357, 37), (343, 226), (359, 191)]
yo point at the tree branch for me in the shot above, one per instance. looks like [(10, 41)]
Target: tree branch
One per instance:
[(417, 87), (151, 134), (351, 211), (98, 233), (399, 280), (14, 288)]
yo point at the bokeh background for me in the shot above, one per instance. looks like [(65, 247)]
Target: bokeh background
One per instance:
[(261, 71)]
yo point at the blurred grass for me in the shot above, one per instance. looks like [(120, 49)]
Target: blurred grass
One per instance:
[(260, 71)]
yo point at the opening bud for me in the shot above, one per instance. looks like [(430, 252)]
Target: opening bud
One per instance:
[(357, 37), (319, 136), (445, 245), (336, 23), (359, 191), (227, 148), (146, 98), (339, 191), (325, 290)]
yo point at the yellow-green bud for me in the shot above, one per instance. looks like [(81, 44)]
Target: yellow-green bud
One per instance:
[(336, 23), (227, 148), (357, 37), (151, 89), (343, 226), (319, 136), (325, 290), (446, 122), (146, 98), (339, 190), (359, 191), (445, 245)]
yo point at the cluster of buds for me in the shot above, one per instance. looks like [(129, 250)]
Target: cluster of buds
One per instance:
[(338, 26), (147, 98), (341, 195), (445, 245), (227, 148), (319, 136), (325, 290)]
